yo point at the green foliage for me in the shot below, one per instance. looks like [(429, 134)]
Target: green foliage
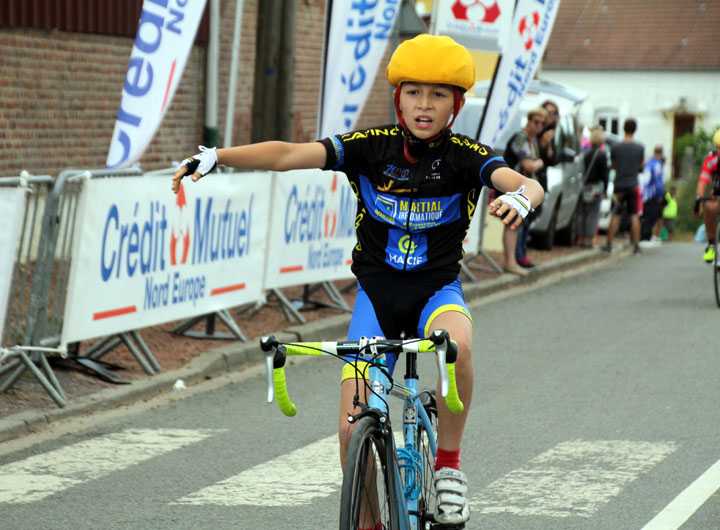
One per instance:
[(701, 144), (685, 222)]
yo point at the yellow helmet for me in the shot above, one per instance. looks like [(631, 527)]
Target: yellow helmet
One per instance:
[(431, 59), (716, 138)]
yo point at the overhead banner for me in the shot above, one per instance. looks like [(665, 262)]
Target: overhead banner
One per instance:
[(12, 206), (144, 256), (529, 33), (166, 33), (477, 24), (312, 230), (355, 42)]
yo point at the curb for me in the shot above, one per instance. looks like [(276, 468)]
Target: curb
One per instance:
[(237, 355)]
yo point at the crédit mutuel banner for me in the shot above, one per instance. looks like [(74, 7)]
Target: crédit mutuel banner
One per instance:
[(477, 24), (144, 256), (355, 43), (312, 230), (529, 33), (165, 35)]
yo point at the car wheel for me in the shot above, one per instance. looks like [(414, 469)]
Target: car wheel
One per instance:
[(544, 240), (567, 235)]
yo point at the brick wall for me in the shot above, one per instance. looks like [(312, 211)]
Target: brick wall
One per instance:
[(60, 93)]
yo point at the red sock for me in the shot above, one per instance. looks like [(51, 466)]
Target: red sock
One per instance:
[(378, 526), (447, 459)]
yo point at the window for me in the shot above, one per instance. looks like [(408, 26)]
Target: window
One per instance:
[(609, 119)]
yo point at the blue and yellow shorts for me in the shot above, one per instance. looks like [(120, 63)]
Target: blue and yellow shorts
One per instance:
[(396, 305)]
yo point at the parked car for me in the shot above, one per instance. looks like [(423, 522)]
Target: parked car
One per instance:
[(557, 221)]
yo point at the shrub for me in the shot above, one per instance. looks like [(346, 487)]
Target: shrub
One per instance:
[(701, 144)]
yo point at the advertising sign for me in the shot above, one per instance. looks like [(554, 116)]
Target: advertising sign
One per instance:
[(312, 230), (356, 41), (529, 33), (165, 35), (12, 206), (144, 256), (477, 24)]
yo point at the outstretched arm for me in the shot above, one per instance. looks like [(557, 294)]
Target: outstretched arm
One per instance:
[(269, 156), (508, 180)]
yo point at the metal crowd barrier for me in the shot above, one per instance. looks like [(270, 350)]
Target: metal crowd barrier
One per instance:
[(35, 249), (40, 280)]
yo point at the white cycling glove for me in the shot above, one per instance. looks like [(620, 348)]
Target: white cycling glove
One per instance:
[(519, 201), (203, 162)]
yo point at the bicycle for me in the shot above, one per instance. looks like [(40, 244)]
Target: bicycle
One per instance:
[(381, 480)]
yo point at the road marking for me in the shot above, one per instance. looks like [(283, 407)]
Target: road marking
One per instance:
[(572, 479), (40, 476), (687, 503), (293, 479)]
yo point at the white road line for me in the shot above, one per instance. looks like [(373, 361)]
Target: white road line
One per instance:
[(42, 475), (687, 503), (572, 479), (293, 479)]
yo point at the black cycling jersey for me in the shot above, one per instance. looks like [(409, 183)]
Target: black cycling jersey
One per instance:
[(411, 216)]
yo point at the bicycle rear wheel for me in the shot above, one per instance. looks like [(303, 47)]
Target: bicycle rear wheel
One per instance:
[(427, 501), (716, 270), (368, 490)]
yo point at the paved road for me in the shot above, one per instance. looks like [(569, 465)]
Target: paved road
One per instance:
[(595, 408)]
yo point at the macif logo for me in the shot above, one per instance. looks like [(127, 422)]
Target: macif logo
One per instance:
[(180, 232)]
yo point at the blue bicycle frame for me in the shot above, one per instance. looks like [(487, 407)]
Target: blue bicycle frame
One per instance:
[(408, 458)]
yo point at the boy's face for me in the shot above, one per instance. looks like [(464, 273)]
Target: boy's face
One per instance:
[(426, 108)]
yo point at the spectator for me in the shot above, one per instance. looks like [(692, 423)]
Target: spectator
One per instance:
[(523, 155), (669, 213), (709, 174), (653, 192), (627, 159), (546, 142), (594, 188)]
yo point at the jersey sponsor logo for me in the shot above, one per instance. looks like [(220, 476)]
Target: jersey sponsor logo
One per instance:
[(362, 135), (406, 251), (414, 213), (396, 173), (464, 142)]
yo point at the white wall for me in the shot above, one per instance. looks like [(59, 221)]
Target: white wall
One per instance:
[(644, 96)]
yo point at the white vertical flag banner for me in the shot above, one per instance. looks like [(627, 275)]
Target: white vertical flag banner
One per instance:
[(165, 35), (12, 206), (476, 24), (356, 42), (529, 33)]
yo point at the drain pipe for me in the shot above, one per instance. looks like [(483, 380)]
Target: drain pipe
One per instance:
[(234, 61), (210, 132)]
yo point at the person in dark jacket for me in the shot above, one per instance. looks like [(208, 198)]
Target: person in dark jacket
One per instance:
[(595, 188)]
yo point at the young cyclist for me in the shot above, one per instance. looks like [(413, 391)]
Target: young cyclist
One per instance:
[(709, 174), (417, 184)]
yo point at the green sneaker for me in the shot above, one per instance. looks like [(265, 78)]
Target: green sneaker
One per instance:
[(709, 255)]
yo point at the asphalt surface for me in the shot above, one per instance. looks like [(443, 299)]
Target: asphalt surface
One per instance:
[(237, 356)]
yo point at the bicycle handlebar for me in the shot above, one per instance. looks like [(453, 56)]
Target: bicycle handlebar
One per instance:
[(439, 343)]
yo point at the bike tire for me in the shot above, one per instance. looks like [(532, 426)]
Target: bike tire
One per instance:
[(368, 489), (427, 499), (716, 269)]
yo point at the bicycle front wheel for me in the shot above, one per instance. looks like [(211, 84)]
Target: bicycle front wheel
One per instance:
[(716, 270), (427, 499), (368, 490)]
